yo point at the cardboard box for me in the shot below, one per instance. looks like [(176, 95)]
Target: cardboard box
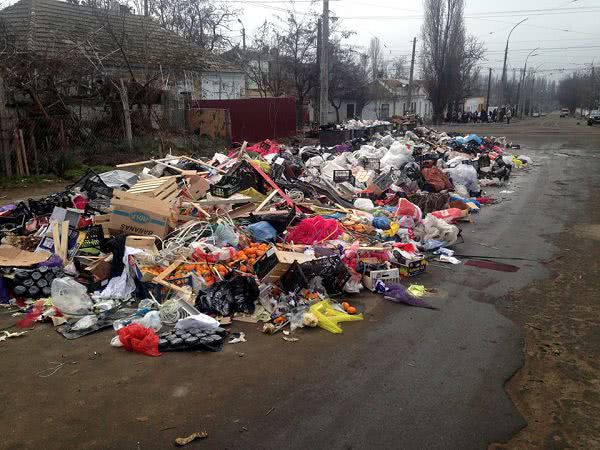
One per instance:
[(146, 243), (134, 214), (15, 257)]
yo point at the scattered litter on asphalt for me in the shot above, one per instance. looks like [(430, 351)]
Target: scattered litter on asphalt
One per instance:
[(176, 254), (181, 441)]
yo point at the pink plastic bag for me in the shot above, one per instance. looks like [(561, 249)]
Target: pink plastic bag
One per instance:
[(314, 230)]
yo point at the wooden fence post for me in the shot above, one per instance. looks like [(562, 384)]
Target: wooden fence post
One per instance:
[(4, 132)]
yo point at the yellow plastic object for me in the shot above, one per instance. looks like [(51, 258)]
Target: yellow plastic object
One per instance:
[(394, 227), (253, 194), (263, 165), (418, 290), (329, 317), (517, 163)]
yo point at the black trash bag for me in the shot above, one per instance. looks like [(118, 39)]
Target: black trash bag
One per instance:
[(229, 296)]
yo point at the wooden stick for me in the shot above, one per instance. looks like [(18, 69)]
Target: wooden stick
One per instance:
[(65, 240), (36, 163), (18, 154), (56, 238), (148, 161), (168, 271), (24, 152), (197, 161), (266, 200)]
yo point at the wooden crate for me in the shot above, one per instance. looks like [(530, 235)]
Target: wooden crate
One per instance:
[(165, 189)]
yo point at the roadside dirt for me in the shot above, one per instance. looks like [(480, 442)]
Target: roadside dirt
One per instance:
[(558, 389), (42, 189)]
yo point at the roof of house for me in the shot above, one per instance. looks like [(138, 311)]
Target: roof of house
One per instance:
[(53, 28)]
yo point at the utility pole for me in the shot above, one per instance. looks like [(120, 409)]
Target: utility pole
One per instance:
[(324, 94), (487, 102), (531, 97), (317, 98), (521, 76), (243, 33), (146, 8), (505, 58), (410, 79)]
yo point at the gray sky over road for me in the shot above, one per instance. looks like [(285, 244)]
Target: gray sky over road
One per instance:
[(567, 31)]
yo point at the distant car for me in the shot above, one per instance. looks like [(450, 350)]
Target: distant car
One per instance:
[(565, 112), (543, 114), (594, 117), (535, 115)]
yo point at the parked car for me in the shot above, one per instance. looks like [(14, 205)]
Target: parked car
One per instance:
[(535, 114), (565, 112), (594, 117), (543, 114)]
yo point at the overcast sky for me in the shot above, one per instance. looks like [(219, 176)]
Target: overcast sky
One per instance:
[(396, 22)]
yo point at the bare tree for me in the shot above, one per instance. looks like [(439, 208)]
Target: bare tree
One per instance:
[(375, 58), (206, 23), (446, 53), (298, 47), (399, 67)]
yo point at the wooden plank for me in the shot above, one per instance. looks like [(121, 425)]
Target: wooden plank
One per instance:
[(168, 271), (266, 200), (64, 240), (201, 163), (235, 198)]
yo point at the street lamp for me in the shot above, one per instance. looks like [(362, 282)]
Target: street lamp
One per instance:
[(505, 57), (522, 80), (243, 34)]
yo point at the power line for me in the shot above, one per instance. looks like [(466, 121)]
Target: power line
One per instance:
[(493, 14)]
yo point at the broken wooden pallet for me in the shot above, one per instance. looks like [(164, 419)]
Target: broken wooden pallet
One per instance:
[(159, 188)]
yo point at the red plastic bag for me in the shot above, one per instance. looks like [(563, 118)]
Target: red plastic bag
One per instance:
[(32, 316), (406, 208), (137, 338), (450, 215), (314, 230), (437, 179)]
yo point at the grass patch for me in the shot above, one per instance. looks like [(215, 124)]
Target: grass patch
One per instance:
[(78, 172), (28, 181)]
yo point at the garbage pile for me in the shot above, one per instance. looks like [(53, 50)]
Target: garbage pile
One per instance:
[(168, 252)]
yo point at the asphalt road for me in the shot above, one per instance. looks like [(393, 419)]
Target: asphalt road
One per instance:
[(403, 378)]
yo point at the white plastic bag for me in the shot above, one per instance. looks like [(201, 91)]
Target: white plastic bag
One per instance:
[(150, 320), (123, 285), (465, 175), (85, 322), (70, 297), (197, 321), (364, 204)]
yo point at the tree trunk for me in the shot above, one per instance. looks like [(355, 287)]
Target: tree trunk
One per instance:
[(300, 112), (126, 115), (337, 114)]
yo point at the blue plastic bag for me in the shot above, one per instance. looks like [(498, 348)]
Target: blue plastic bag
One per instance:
[(262, 232)]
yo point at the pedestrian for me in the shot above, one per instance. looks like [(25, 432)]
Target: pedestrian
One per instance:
[(508, 115)]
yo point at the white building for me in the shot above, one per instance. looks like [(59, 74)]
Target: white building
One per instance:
[(388, 98)]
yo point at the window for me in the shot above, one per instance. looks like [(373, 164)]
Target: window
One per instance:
[(384, 111), (349, 110)]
